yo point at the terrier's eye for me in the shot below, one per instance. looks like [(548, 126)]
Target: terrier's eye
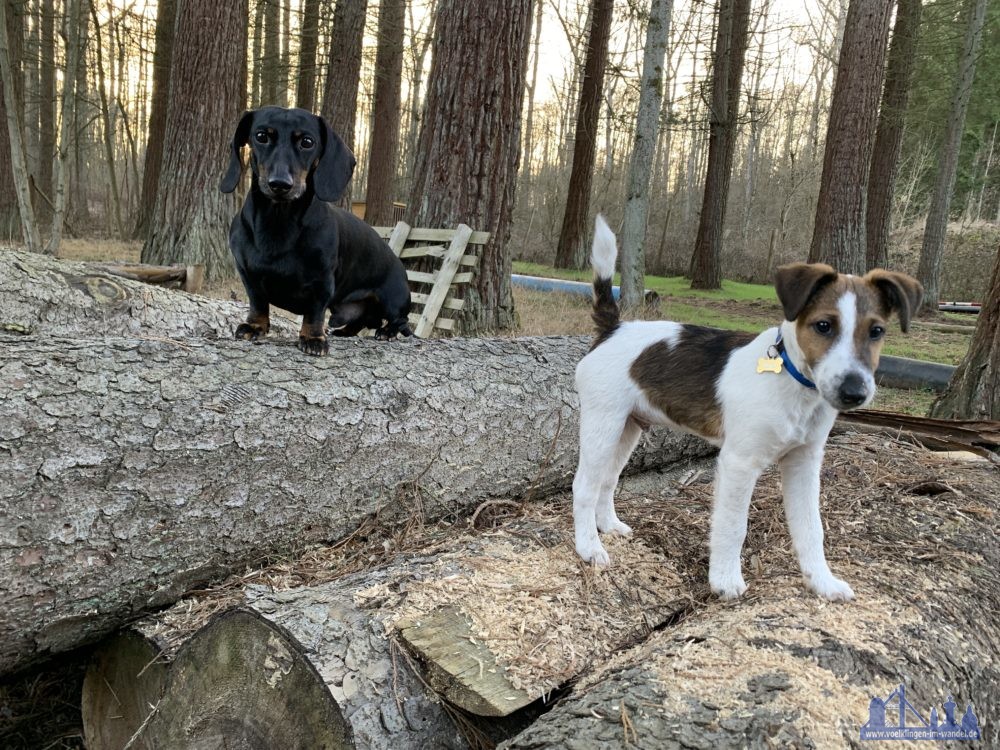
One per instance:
[(823, 327), (261, 136), (876, 333), (306, 142)]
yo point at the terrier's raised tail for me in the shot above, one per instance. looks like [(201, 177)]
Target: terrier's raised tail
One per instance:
[(606, 314)]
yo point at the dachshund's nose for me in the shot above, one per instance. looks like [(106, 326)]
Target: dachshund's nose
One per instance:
[(280, 185)]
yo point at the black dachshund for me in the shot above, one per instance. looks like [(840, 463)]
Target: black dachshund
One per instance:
[(294, 249)]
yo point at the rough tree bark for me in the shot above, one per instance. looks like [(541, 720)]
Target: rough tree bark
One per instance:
[(305, 88), (137, 468), (633, 263), (207, 92), (974, 390), (63, 298), (889, 133), (166, 19), (18, 159), (572, 250), (936, 226), (343, 74), (839, 231), (730, 50), (467, 160), (384, 144)]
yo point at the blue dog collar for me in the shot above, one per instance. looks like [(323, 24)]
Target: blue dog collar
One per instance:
[(792, 369)]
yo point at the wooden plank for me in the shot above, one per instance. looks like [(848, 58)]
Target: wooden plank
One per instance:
[(398, 237), (442, 284), (434, 235), (461, 668), (422, 277), (449, 304), (435, 251), (446, 235), (445, 324)]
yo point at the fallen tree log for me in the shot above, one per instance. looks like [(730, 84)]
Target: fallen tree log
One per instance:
[(980, 436), (779, 667), (495, 621), (50, 297), (135, 470)]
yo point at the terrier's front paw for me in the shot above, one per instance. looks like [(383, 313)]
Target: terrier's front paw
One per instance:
[(315, 346), (728, 584), (830, 587), (594, 553)]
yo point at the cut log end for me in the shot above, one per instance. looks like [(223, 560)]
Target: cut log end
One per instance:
[(240, 682)]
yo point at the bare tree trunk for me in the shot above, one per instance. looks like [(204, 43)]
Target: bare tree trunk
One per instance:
[(166, 21), (256, 55), (466, 168), (343, 74), (839, 232), (384, 145), (936, 227), (47, 120), (18, 162), (270, 61), (107, 126), (727, 75), (889, 135), (285, 39), (10, 223), (305, 89), (572, 250), (207, 94), (71, 25), (974, 390), (416, 104), (79, 206), (529, 120), (633, 263)]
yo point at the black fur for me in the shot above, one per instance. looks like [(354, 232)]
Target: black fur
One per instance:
[(606, 315), (296, 251)]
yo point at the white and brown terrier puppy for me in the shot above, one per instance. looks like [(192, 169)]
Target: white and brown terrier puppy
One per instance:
[(770, 398)]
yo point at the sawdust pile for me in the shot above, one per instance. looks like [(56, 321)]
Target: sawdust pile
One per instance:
[(543, 614)]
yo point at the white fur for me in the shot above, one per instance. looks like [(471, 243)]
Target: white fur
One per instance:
[(766, 419), (605, 249)]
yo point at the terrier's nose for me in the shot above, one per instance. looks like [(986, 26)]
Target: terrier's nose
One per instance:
[(853, 390)]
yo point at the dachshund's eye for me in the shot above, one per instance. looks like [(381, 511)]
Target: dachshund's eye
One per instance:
[(876, 333), (261, 136), (823, 327), (306, 142)]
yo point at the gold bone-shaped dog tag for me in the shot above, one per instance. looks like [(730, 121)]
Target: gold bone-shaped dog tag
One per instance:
[(769, 364)]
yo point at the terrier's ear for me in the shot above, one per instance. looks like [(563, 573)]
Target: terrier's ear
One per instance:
[(796, 283), (901, 293)]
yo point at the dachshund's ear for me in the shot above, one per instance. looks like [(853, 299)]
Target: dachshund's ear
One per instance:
[(240, 138), (796, 284), (335, 167)]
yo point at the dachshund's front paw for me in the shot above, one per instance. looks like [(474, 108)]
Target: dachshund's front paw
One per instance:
[(250, 331), (316, 346)]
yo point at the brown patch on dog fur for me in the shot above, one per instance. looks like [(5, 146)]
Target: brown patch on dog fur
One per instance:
[(872, 306), (606, 315), (681, 380)]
